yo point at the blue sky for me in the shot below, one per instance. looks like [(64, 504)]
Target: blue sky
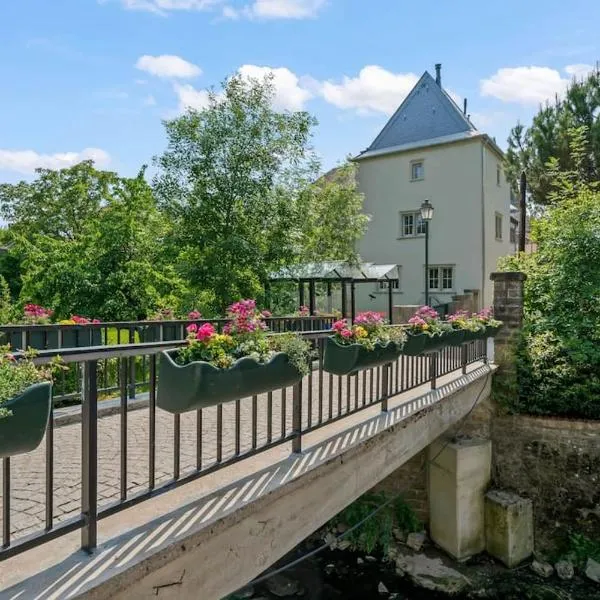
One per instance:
[(95, 78)]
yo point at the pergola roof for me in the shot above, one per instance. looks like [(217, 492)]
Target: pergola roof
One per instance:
[(336, 271)]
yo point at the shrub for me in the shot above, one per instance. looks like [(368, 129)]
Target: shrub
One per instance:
[(558, 356)]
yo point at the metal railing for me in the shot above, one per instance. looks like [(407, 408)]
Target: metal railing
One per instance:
[(214, 437), (68, 388)]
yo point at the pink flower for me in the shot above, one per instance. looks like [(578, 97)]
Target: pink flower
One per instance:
[(346, 333), (339, 326), (194, 315), (192, 328), (205, 332), (304, 311), (416, 320), (267, 314)]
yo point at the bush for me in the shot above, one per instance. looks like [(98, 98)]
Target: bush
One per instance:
[(558, 356)]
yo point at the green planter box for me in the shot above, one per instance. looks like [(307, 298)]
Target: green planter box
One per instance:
[(182, 388), (24, 429), (151, 333), (471, 336), (415, 344), (455, 338), (435, 342), (491, 331), (348, 360)]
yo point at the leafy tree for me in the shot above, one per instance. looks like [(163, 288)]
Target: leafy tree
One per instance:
[(230, 180), (334, 221), (558, 361), (98, 252), (530, 149)]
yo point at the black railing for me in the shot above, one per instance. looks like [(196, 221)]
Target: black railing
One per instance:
[(68, 388), (201, 442)]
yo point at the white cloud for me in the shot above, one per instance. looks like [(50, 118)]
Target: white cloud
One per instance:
[(530, 85), (190, 97), (168, 66), (149, 100), (26, 161), (579, 71), (276, 9), (374, 90), (289, 94), (163, 7)]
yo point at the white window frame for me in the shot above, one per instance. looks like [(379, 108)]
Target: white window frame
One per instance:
[(417, 163), (417, 227), (440, 277), (498, 218), (381, 287)]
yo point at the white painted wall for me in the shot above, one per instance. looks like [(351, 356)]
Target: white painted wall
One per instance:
[(497, 201), (453, 182)]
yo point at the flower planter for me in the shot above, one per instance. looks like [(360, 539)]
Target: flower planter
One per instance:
[(415, 344), (471, 336), (455, 338), (436, 342), (492, 331), (24, 429), (182, 388), (348, 360), (151, 333)]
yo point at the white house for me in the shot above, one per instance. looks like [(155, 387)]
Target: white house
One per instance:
[(429, 149)]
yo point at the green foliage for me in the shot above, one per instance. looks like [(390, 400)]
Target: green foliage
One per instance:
[(333, 218), (95, 249), (297, 348), (550, 135), (377, 531), (580, 548), (16, 376), (558, 357), (6, 307)]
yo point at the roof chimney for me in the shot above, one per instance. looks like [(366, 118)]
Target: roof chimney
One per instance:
[(438, 74), (465, 107)]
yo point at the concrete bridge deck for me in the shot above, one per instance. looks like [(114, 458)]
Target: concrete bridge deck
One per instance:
[(213, 535)]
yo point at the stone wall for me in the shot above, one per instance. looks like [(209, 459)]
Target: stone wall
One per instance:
[(556, 463), (410, 480)]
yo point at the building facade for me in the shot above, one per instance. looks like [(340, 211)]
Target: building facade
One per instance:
[(429, 149)]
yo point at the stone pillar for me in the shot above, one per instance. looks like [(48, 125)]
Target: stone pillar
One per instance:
[(508, 303), (459, 473)]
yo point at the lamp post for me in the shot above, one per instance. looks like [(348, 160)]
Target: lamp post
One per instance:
[(426, 216)]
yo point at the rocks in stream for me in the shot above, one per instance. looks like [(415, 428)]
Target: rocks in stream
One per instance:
[(542, 568), (415, 541), (564, 569), (282, 586), (592, 570), (431, 574)]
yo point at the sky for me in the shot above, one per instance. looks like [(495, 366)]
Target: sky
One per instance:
[(97, 78)]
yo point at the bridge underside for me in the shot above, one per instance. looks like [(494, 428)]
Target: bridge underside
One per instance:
[(216, 544)]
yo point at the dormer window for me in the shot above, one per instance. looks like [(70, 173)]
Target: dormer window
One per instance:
[(417, 170)]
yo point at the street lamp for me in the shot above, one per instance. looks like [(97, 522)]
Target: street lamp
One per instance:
[(426, 216)]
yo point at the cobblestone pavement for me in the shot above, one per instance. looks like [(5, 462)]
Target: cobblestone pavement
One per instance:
[(28, 479)]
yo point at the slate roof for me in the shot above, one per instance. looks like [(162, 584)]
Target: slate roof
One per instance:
[(428, 114)]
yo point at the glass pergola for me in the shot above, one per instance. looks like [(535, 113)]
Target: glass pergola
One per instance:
[(347, 275)]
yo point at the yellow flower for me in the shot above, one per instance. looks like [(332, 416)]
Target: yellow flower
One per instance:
[(360, 332), (425, 326), (66, 322)]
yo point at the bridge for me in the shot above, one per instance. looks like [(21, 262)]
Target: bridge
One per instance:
[(126, 501)]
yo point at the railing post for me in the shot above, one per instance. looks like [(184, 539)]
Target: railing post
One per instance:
[(385, 386), (132, 377), (433, 359), (89, 456), (463, 351), (297, 418)]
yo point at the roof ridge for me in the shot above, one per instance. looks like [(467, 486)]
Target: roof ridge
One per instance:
[(425, 122)]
